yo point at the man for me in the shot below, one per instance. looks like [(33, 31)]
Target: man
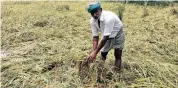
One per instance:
[(112, 31)]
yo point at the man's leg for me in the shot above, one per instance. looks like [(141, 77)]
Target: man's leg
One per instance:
[(101, 66), (118, 58), (104, 55)]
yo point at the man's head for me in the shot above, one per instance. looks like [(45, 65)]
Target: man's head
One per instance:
[(95, 10)]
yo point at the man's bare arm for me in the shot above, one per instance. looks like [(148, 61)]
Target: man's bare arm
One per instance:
[(102, 43), (95, 42)]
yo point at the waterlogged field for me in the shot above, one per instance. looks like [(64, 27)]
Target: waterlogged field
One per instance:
[(43, 44)]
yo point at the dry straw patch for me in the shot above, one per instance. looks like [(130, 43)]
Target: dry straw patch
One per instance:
[(45, 42)]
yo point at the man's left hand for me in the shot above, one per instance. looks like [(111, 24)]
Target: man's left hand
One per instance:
[(92, 56)]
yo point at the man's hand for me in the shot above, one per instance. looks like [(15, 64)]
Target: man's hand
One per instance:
[(96, 49), (92, 56)]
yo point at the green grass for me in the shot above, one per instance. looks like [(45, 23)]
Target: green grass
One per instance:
[(39, 34)]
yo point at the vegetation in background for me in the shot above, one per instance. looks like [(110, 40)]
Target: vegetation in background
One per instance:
[(120, 12), (46, 41)]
